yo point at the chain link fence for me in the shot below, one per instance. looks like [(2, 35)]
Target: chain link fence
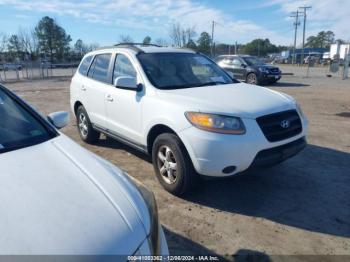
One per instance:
[(12, 72)]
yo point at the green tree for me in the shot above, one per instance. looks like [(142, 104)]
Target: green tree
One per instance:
[(323, 40), (15, 47), (147, 40), (204, 42), (79, 47), (191, 44), (53, 40), (260, 47)]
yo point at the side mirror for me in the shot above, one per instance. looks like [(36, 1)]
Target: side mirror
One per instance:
[(127, 82), (59, 119), (243, 65)]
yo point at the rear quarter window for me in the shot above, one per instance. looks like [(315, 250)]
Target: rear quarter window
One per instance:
[(84, 66), (100, 68)]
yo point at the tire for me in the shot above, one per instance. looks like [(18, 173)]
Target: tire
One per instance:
[(252, 79), (87, 133), (172, 164)]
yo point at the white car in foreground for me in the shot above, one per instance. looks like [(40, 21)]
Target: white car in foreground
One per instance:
[(57, 198), (184, 110)]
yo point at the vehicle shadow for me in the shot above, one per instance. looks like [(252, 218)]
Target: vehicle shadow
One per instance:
[(182, 246), (111, 143), (286, 84), (310, 191)]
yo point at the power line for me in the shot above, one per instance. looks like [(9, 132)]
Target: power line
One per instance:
[(304, 26)]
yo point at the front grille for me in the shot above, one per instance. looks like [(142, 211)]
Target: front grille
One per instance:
[(272, 125), (274, 70)]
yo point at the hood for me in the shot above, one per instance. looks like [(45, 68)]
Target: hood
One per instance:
[(58, 198), (242, 100)]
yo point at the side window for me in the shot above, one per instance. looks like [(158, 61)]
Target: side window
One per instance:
[(84, 66), (123, 67), (99, 68), (236, 62)]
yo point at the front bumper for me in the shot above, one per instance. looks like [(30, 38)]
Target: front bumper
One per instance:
[(269, 77), (145, 249), (211, 153), (278, 154)]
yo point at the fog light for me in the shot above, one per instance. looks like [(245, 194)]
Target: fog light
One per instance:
[(229, 169)]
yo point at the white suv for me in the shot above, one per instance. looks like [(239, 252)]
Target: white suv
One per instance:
[(184, 110)]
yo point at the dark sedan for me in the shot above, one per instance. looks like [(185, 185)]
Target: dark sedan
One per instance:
[(249, 68)]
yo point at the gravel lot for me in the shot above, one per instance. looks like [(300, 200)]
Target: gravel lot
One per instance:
[(301, 207)]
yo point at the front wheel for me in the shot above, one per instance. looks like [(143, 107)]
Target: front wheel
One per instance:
[(252, 79), (172, 164)]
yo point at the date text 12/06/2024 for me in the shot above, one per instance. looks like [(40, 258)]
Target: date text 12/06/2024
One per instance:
[(173, 258)]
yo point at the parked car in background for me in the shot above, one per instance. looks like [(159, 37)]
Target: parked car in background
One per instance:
[(249, 69), (12, 66), (57, 198), (185, 111)]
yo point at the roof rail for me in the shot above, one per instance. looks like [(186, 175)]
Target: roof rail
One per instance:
[(133, 44)]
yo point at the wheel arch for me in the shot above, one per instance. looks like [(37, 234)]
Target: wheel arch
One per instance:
[(76, 106), (154, 132)]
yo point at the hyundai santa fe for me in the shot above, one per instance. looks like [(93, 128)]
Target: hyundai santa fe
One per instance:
[(57, 198), (185, 111)]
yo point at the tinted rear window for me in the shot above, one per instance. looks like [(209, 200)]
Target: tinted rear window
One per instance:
[(84, 67)]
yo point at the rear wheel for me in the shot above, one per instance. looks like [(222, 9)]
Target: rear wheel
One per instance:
[(172, 164), (252, 79), (87, 133)]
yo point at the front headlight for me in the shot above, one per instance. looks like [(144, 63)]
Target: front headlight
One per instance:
[(263, 70), (299, 110), (216, 123), (148, 196)]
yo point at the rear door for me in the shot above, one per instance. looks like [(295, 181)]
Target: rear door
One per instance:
[(98, 79), (237, 69)]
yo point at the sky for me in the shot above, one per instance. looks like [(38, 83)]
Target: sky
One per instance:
[(103, 22)]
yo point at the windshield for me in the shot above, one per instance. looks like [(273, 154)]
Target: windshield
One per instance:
[(18, 128), (182, 70), (252, 61)]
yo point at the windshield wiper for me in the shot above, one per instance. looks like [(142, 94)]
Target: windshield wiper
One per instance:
[(212, 83)]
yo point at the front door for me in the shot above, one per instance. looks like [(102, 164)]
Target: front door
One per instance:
[(123, 106)]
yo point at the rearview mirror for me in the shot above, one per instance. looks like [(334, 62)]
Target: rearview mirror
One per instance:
[(127, 82), (243, 65), (59, 119)]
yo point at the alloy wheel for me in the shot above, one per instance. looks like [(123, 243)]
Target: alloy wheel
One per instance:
[(83, 125), (167, 164)]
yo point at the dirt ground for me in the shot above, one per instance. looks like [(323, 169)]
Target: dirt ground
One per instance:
[(301, 207)]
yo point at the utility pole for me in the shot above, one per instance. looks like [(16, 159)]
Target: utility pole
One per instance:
[(212, 39), (296, 23), (304, 25)]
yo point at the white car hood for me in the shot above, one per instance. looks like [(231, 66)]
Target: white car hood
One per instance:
[(243, 100), (58, 198)]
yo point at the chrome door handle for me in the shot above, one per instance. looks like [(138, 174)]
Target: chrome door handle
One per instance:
[(83, 88), (109, 98)]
